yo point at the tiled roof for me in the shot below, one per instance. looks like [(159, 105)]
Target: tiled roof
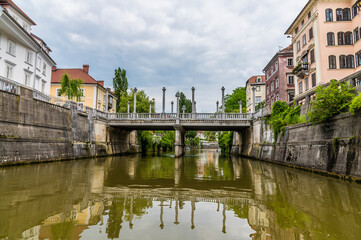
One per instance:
[(73, 73), (252, 80), (12, 4)]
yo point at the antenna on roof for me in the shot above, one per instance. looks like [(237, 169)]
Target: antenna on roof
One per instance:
[(280, 48)]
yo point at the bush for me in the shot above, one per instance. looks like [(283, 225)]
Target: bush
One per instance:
[(355, 105), (330, 101)]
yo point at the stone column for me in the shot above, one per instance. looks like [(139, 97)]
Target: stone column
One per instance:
[(193, 104), (163, 106), (254, 99), (177, 170), (177, 95), (135, 103), (179, 141), (217, 104), (240, 106), (172, 103), (222, 101), (128, 107), (195, 108), (150, 109), (183, 110)]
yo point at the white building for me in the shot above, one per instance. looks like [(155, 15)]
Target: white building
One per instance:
[(24, 57)]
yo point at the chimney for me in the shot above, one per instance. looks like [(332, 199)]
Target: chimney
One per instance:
[(53, 68), (86, 68), (101, 83)]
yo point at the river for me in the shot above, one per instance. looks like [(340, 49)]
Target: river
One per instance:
[(199, 196)]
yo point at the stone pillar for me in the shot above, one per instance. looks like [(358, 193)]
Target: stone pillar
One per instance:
[(193, 104), (254, 99), (183, 110), (217, 104), (163, 106), (172, 103), (222, 101), (128, 107), (150, 109), (240, 106), (179, 141), (135, 102), (177, 95), (195, 108)]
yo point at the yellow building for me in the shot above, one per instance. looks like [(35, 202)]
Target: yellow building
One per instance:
[(95, 95)]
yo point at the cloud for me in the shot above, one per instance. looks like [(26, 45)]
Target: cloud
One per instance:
[(178, 44)]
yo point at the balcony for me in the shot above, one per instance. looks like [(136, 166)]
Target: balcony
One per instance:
[(301, 70)]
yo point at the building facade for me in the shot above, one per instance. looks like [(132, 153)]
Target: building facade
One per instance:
[(326, 42), (24, 57), (279, 78), (255, 92), (95, 95)]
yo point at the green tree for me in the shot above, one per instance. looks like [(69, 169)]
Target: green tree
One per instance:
[(120, 83), (71, 87), (142, 102), (355, 105), (330, 101), (225, 142), (183, 101), (231, 102)]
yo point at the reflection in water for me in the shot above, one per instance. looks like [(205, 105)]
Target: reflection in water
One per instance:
[(200, 196)]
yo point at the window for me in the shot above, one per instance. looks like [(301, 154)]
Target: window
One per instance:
[(340, 37), (99, 96), (82, 92), (58, 92), (27, 79), (298, 46), (9, 71), (304, 40), (11, 47), (258, 100), (347, 61), (277, 83), (291, 79), (348, 38), (290, 62), (332, 62), (313, 76), (329, 15), (276, 66), (310, 33), (346, 14), (354, 11), (309, 15), (277, 97), (44, 69), (267, 89), (259, 80), (356, 35), (306, 84), (358, 58), (296, 30), (339, 14), (38, 64), (303, 23), (272, 87), (330, 39), (312, 55), (300, 87), (43, 86), (29, 57)]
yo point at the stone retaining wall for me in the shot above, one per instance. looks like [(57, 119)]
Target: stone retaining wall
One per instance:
[(32, 130)]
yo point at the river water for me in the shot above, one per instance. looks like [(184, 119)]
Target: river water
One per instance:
[(198, 196)]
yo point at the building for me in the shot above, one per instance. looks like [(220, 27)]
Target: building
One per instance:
[(279, 78), (255, 92), (24, 57), (326, 43), (95, 95)]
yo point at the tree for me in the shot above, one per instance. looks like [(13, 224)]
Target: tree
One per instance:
[(71, 87), (142, 102), (330, 101), (120, 83), (231, 102), (183, 101)]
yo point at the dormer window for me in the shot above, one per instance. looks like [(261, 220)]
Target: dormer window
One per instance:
[(259, 80)]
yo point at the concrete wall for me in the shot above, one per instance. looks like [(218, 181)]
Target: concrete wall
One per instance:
[(333, 147), (32, 130)]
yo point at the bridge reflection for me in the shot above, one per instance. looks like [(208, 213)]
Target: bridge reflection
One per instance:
[(120, 196)]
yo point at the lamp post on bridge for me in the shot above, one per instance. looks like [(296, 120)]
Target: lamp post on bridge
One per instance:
[(193, 104), (172, 103), (135, 102), (217, 104), (163, 106), (177, 95)]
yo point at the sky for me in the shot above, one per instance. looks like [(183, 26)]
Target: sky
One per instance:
[(175, 44)]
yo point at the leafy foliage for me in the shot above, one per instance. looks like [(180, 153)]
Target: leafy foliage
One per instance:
[(183, 101), (260, 105), (142, 102), (330, 101), (120, 83), (210, 136), (71, 87), (355, 105), (231, 102), (225, 141)]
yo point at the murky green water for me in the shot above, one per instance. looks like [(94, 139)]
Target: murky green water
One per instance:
[(199, 196)]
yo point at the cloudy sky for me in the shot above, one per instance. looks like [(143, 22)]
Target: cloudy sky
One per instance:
[(177, 44)]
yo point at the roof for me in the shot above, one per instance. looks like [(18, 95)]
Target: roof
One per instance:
[(252, 80), (286, 51), (300, 14), (16, 8), (40, 40)]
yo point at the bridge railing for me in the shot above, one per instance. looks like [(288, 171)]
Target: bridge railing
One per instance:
[(182, 116)]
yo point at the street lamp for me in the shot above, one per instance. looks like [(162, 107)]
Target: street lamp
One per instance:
[(177, 95)]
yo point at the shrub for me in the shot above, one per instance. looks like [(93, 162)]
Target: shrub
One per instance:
[(330, 101), (355, 105)]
